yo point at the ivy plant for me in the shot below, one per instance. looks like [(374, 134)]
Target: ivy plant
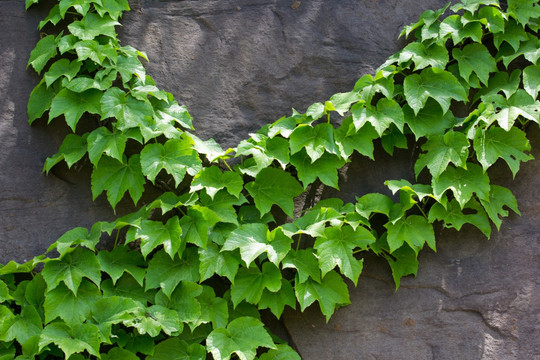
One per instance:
[(190, 271)]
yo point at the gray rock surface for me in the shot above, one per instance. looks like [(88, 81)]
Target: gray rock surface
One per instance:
[(238, 65)]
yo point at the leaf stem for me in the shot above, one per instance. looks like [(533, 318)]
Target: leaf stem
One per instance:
[(226, 164), (298, 242), (421, 210)]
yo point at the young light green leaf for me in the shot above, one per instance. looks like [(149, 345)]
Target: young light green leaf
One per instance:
[(93, 25), (75, 339), (336, 248), (519, 104), (183, 301), (531, 80), (440, 151), (155, 233), (213, 180), (413, 230), (282, 352), (435, 83), (129, 111), (62, 68), (499, 197), (155, 319), (102, 141), (274, 187), (73, 105), (453, 26), (331, 292), (434, 55), (116, 178), (454, 217), (348, 139)]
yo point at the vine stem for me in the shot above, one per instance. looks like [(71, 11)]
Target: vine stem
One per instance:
[(226, 164), (421, 210), (298, 242)]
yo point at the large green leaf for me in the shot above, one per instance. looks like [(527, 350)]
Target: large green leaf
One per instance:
[(331, 292), (433, 55), (93, 25), (403, 262), (213, 309), (121, 260), (117, 177), (276, 301), (316, 140), (112, 310), (274, 187), (71, 340), (40, 101), (129, 111), (435, 83), (454, 217), (499, 197), (387, 112), (463, 183), (324, 168), (155, 319), (213, 261), (166, 273), (73, 309), (430, 120), (531, 80), (102, 141), (44, 51), (306, 264), (72, 150), (62, 68), (475, 58), (413, 230), (249, 283), (22, 327), (213, 179), (183, 301), (176, 349), (282, 352), (155, 233), (441, 150), (241, 337), (73, 105)]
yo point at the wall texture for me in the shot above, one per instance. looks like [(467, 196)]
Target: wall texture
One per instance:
[(238, 64)]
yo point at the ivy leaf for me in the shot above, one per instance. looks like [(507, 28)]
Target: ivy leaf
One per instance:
[(77, 237), (330, 293), (255, 239), (429, 121), (73, 309), (501, 81), (454, 217), (129, 111), (361, 140), (176, 349), (453, 26), (210, 148), (75, 339), (112, 310), (127, 287), (242, 337), (499, 197), (102, 141), (117, 178), (513, 35), (93, 25), (387, 112), (249, 283), (62, 68), (22, 327), (336, 246), (475, 58), (282, 352), (325, 168), (40, 101), (531, 80), (73, 105), (213, 180), (313, 222), (121, 260), (72, 150), (119, 354), (463, 183), (183, 301), (434, 55), (176, 157), (274, 186), (418, 190), (441, 150), (438, 84), (276, 301), (81, 6), (29, 3), (213, 309), (71, 269), (167, 112), (403, 262), (306, 264), (523, 10), (223, 206), (44, 51), (213, 261), (166, 273), (497, 143), (519, 104), (196, 224), (155, 319), (316, 140), (413, 230), (155, 233)]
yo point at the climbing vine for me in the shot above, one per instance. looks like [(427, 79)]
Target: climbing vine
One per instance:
[(189, 271)]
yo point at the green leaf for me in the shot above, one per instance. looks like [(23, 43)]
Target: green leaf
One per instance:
[(429, 121), (531, 80), (413, 230), (223, 206), (499, 197), (176, 157), (475, 58), (40, 101), (171, 112), (519, 104), (119, 354), (44, 51), (73, 309), (102, 141), (72, 150), (242, 337), (128, 66), (71, 269), (274, 186), (361, 140), (387, 112), (121, 260), (71, 340), (77, 237), (210, 148), (313, 222), (176, 349), (93, 25), (373, 203), (62, 68), (73, 105), (155, 233), (330, 293), (454, 217), (403, 262), (453, 26), (282, 352), (112, 310), (249, 284), (496, 143), (196, 224), (183, 301), (463, 183), (116, 178), (336, 248), (341, 102), (129, 111), (213, 309), (166, 273), (306, 264), (523, 10), (215, 262), (213, 179), (276, 301), (325, 168), (127, 287), (29, 3), (22, 327), (315, 140), (155, 319), (434, 55), (501, 81), (440, 151), (81, 6), (435, 83), (255, 239)]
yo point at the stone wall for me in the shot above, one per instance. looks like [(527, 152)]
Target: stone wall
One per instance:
[(238, 65)]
